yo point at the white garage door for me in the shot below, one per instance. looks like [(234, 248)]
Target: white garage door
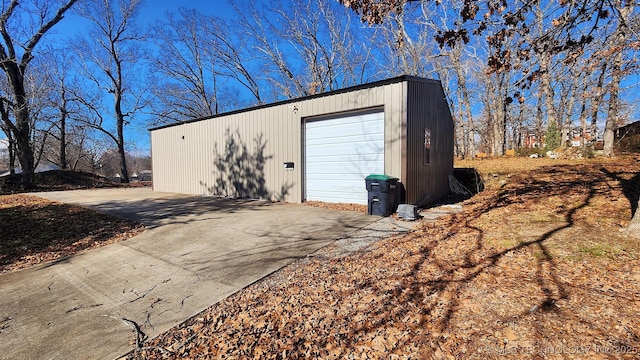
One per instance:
[(340, 153)]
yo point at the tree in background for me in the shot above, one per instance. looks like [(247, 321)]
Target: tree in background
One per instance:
[(62, 100), (197, 56), (112, 57), (305, 48), (22, 26), (107, 163), (617, 47), (533, 46)]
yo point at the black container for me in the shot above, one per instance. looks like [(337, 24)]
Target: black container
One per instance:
[(382, 199)]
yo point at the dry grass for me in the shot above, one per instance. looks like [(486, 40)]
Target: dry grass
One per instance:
[(534, 267)]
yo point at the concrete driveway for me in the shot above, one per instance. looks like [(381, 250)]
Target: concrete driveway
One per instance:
[(195, 252)]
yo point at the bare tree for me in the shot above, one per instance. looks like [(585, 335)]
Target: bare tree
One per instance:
[(624, 9), (24, 25), (537, 43), (61, 103), (408, 45), (306, 48), (461, 62), (112, 56), (197, 55), (187, 84)]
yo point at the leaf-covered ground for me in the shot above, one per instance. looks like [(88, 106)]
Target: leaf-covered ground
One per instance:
[(536, 267), (34, 230)]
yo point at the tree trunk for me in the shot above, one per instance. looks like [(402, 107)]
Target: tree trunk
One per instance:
[(595, 104), (583, 118), (124, 172), (499, 129), (64, 164), (539, 131), (612, 112), (499, 125), (616, 77), (465, 106), (547, 90), (12, 155), (6, 128), (567, 128), (22, 129)]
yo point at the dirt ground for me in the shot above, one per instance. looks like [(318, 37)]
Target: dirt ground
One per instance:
[(537, 266)]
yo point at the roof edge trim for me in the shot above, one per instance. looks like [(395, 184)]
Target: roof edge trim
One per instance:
[(393, 80)]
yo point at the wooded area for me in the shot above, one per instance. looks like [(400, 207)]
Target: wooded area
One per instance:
[(519, 75)]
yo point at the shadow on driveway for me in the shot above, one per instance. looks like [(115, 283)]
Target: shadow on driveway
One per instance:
[(195, 252)]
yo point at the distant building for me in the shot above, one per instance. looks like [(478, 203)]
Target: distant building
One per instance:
[(533, 141), (628, 130), (145, 175), (40, 168)]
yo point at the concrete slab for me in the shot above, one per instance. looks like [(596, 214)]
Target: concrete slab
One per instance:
[(195, 252)]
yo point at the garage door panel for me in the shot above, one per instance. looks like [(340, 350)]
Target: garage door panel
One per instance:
[(346, 120), (345, 140), (337, 185), (336, 150), (329, 168), (340, 153)]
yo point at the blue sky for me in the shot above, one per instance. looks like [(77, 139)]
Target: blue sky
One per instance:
[(151, 11)]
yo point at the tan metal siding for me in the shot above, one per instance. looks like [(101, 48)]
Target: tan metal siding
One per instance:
[(394, 134), (427, 108), (188, 166)]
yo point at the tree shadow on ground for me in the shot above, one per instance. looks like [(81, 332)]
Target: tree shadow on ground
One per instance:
[(239, 170), (630, 186), (440, 294), (447, 288), (427, 286), (184, 209)]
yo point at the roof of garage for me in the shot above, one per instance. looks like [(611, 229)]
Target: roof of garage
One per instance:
[(284, 102)]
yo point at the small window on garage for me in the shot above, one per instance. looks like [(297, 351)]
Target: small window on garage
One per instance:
[(427, 147)]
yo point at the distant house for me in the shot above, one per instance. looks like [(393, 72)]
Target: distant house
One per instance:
[(532, 141), (576, 135), (319, 148), (145, 175), (42, 167)]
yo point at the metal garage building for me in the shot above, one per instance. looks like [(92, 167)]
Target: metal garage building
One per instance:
[(319, 147)]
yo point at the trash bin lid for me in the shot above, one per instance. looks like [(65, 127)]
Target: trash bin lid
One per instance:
[(379, 177)]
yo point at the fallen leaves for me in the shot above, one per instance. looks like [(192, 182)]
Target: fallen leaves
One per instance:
[(35, 230), (338, 206), (506, 277)]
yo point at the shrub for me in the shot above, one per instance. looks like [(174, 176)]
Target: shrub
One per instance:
[(552, 137)]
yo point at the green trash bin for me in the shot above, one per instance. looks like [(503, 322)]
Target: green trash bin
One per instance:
[(382, 198)]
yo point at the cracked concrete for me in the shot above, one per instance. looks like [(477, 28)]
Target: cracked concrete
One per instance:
[(195, 252)]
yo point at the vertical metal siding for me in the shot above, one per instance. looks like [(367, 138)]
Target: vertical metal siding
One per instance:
[(427, 108), (188, 165)]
